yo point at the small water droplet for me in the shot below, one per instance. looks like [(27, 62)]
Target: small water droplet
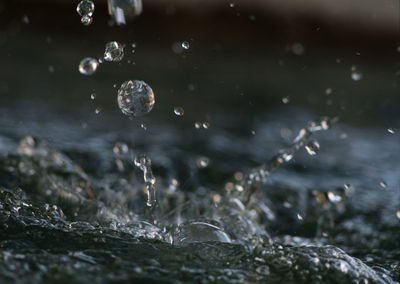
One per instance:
[(135, 98), (312, 147), (25, 19), (398, 214), (120, 148), (93, 96), (203, 162), (285, 100), (114, 51), (97, 110), (334, 198), (143, 126), (86, 20), (88, 66), (197, 125), (383, 184), (206, 125), (355, 74), (391, 130), (185, 45), (328, 91), (231, 5), (51, 69), (85, 8), (179, 111), (298, 48), (300, 216)]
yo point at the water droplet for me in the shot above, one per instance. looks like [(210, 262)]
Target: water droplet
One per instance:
[(206, 125), (328, 91), (398, 214), (135, 98), (334, 198), (88, 66), (25, 19), (383, 184), (347, 186), (300, 216), (143, 126), (197, 125), (51, 69), (114, 51), (391, 130), (85, 8), (298, 48), (124, 11), (179, 111), (97, 110), (231, 5), (86, 20), (185, 45), (355, 74), (312, 147), (93, 96), (285, 100), (203, 162), (120, 148)]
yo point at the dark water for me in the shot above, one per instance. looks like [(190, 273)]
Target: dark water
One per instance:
[(73, 204), (72, 210)]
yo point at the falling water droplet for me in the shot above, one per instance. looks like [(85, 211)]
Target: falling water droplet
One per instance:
[(197, 125), (85, 8), (328, 91), (88, 66), (86, 20), (312, 147), (300, 216), (120, 148), (135, 98), (206, 125), (97, 110), (179, 111), (203, 162), (185, 45), (391, 130), (231, 5), (114, 51), (93, 96), (355, 74), (285, 100), (334, 198), (25, 19), (383, 184), (143, 126), (398, 214)]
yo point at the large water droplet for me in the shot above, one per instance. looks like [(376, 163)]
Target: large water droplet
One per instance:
[(135, 98), (114, 51), (88, 66), (85, 8), (312, 147)]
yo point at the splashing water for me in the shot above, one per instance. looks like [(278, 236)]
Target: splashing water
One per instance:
[(144, 163)]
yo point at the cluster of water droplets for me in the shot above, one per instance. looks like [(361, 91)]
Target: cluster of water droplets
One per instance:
[(85, 9)]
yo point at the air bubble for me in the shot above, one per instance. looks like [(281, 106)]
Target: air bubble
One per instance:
[(135, 98), (179, 111), (88, 66), (312, 147), (114, 51)]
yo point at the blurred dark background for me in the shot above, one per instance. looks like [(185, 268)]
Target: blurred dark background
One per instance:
[(242, 61)]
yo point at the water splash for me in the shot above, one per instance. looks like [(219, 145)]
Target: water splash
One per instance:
[(144, 163)]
